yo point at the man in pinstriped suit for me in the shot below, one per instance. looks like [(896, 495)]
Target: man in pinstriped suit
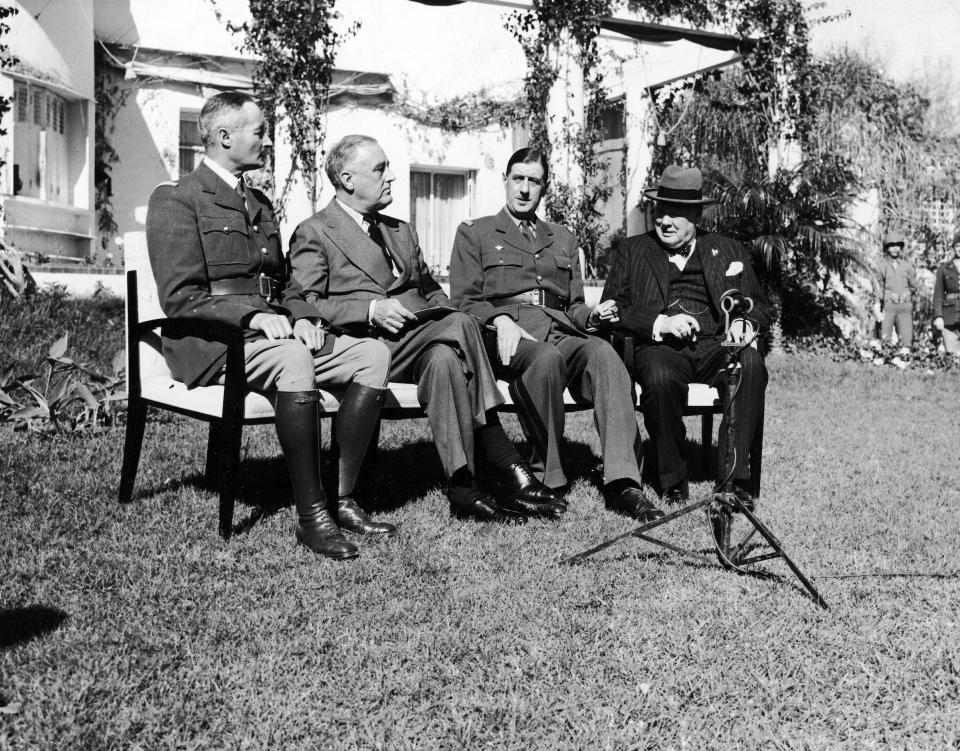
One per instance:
[(667, 286)]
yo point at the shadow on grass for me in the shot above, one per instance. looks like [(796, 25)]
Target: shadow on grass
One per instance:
[(20, 625), (394, 475)]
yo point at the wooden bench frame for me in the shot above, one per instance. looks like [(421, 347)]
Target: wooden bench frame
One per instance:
[(228, 408)]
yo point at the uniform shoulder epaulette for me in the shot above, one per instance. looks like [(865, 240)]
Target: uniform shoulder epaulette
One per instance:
[(171, 183)]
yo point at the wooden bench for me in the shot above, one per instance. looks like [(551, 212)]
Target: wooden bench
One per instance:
[(229, 407)]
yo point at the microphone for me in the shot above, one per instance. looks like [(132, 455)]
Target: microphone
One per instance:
[(733, 302)]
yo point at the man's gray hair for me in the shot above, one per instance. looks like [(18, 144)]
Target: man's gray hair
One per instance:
[(340, 153), (218, 109)]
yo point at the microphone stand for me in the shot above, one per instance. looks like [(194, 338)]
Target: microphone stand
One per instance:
[(725, 500)]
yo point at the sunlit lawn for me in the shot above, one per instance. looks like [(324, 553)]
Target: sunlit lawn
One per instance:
[(137, 627)]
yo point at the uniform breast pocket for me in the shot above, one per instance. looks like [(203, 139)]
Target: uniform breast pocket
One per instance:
[(564, 265), (268, 227), (499, 266), (225, 239)]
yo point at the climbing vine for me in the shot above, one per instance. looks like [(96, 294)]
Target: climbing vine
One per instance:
[(296, 43), (543, 32), (6, 61), (110, 94), (462, 113)]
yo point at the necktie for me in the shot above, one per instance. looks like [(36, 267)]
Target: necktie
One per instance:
[(526, 229), (242, 192), (377, 236)]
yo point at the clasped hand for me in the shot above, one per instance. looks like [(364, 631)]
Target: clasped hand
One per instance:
[(275, 326)]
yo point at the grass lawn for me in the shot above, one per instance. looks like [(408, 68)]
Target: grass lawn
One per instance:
[(137, 627)]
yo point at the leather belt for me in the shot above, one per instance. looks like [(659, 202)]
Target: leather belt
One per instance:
[(897, 299), (540, 297), (265, 286)]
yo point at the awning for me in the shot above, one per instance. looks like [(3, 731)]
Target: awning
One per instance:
[(644, 32)]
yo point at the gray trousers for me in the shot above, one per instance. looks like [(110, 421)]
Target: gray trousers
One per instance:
[(594, 373)]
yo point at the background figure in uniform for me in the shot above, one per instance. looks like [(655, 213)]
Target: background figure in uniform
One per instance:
[(894, 290), (365, 273), (522, 275), (215, 252), (667, 285), (946, 300)]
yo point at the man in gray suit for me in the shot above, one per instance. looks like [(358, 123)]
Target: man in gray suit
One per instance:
[(366, 275)]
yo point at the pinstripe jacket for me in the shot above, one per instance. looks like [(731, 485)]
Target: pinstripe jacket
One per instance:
[(640, 277)]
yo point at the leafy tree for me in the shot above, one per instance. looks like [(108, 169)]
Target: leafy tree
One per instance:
[(296, 44)]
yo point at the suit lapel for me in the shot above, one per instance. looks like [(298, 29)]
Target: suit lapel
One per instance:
[(714, 264), (217, 187), (508, 232), (544, 236), (657, 260), (359, 249)]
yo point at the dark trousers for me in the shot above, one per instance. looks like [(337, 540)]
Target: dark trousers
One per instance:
[(663, 372), (591, 369), (455, 383)]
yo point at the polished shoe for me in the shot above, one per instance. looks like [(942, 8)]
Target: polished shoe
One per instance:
[(482, 508), (354, 519), (632, 502), (324, 538), (677, 494), (518, 490)]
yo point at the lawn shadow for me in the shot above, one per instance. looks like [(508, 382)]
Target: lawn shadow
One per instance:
[(700, 462), (20, 625)]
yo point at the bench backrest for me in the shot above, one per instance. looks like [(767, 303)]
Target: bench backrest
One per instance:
[(144, 307)]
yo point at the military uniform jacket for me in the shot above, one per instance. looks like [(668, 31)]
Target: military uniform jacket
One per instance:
[(198, 232), (639, 279), (946, 295), (492, 260)]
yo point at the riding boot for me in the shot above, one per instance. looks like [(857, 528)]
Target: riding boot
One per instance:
[(356, 421), (298, 428)]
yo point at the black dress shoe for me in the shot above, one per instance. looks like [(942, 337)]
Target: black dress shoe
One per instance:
[(518, 490), (354, 519), (482, 508), (677, 494), (324, 538), (632, 502)]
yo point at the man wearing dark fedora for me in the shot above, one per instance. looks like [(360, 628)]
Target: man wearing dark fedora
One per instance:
[(894, 289), (667, 285)]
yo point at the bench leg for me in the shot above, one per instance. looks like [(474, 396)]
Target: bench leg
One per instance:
[(706, 443), (214, 441), (228, 462), (132, 443)]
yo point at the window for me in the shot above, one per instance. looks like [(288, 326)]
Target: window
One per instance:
[(439, 201), (40, 154), (190, 147), (612, 119)]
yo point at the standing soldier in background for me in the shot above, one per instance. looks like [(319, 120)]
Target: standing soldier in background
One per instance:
[(894, 289)]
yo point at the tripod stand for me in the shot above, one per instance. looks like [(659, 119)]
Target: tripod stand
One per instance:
[(725, 500)]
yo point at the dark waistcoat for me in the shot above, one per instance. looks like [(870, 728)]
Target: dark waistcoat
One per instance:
[(687, 293)]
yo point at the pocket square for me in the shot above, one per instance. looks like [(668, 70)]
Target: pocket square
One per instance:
[(735, 268)]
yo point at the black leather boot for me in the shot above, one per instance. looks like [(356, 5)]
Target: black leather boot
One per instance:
[(355, 422), (298, 428)]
